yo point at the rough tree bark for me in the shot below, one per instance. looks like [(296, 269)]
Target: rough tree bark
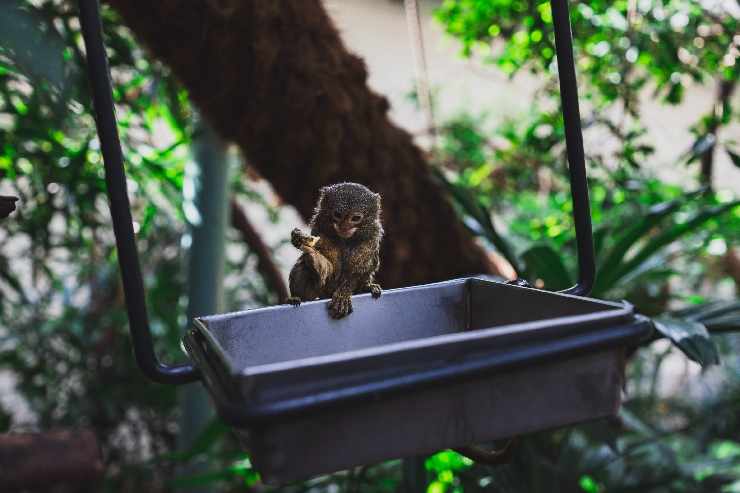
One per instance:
[(49, 460), (275, 77)]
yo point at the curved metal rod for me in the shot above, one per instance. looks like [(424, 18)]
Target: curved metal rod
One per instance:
[(574, 144), (115, 179)]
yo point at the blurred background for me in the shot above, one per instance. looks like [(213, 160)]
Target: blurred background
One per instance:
[(232, 114)]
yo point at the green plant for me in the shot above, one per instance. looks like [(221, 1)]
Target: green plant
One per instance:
[(623, 50), (64, 327)]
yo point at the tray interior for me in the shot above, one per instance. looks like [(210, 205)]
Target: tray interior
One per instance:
[(286, 333)]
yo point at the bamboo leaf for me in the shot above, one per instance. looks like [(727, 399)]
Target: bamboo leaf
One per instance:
[(465, 200), (694, 312), (716, 310), (728, 323), (614, 258), (735, 157), (669, 236), (700, 146), (691, 337)]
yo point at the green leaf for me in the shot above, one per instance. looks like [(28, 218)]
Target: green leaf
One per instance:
[(728, 323), (690, 337), (588, 484), (601, 232), (464, 198), (715, 310), (447, 460), (37, 51), (734, 157), (210, 435), (613, 261), (700, 146), (544, 263), (725, 449), (5, 420), (669, 236), (697, 311), (732, 487)]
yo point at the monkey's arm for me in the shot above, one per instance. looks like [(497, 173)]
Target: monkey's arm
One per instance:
[(309, 276), (312, 258), (360, 265), (311, 272)]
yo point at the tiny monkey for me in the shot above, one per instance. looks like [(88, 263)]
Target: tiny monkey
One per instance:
[(342, 253)]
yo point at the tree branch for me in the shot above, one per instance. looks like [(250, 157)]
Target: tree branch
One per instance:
[(275, 78), (265, 265), (725, 88), (29, 460)]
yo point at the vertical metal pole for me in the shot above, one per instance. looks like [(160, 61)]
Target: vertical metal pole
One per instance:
[(574, 143), (206, 210), (421, 73)]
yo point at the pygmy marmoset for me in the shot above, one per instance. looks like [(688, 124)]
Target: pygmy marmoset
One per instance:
[(342, 254)]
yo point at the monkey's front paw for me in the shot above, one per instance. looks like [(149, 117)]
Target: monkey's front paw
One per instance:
[(297, 238), (300, 240), (294, 300), (340, 306), (375, 290)]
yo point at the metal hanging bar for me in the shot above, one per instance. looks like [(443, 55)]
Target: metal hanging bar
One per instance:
[(115, 179), (574, 144), (99, 75)]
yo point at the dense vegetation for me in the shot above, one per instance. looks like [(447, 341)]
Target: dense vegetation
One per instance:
[(667, 249)]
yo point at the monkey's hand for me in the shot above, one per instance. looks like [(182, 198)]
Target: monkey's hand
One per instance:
[(340, 304), (374, 289), (300, 240)]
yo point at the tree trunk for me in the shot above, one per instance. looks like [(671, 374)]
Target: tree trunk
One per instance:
[(275, 77), (49, 460)]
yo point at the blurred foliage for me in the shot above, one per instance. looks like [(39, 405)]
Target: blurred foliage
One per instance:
[(623, 50), (659, 246), (63, 336), (620, 46), (62, 321)]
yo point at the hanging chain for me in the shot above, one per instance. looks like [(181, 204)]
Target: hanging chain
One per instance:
[(421, 75)]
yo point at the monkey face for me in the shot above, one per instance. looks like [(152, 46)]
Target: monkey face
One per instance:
[(346, 224), (348, 210)]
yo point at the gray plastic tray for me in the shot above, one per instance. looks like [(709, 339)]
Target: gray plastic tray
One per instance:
[(419, 370)]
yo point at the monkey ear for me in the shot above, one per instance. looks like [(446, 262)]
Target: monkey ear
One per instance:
[(377, 199)]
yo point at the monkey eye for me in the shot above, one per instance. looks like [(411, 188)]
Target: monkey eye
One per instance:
[(355, 218), (337, 215)]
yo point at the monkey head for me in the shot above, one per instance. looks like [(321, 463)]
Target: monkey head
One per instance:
[(349, 211)]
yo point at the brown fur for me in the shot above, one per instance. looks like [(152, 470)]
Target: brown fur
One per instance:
[(333, 266)]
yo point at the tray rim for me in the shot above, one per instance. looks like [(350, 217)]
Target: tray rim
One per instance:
[(621, 311), (627, 328), (450, 282)]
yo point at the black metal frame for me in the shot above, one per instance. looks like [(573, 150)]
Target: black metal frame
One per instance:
[(115, 177), (574, 144)]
